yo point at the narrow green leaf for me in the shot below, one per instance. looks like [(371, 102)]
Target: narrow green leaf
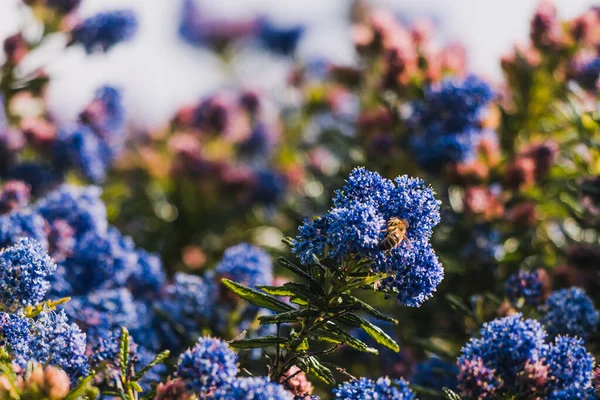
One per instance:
[(299, 301), (276, 291), (319, 370), (287, 317), (83, 390), (379, 335), (300, 272), (370, 310), (288, 240), (159, 359), (450, 395), (255, 297), (258, 342), (304, 291), (336, 334)]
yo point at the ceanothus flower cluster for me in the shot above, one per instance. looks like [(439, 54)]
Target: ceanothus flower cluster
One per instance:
[(512, 356), (246, 264), (95, 141), (251, 388), (570, 312), (355, 227), (209, 365), (382, 388), (25, 269), (445, 126), (49, 338), (530, 286)]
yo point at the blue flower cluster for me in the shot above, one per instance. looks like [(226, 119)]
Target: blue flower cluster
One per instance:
[(513, 357), (207, 366), (112, 283), (445, 125), (356, 225), (49, 338), (279, 39), (570, 312), (382, 388), (252, 388), (528, 286), (104, 30), (94, 143), (197, 29), (247, 265), (24, 272)]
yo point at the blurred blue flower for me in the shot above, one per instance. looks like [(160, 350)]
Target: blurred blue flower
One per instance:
[(207, 366), (445, 125), (505, 345), (81, 207), (365, 388), (246, 264), (104, 30), (587, 74), (278, 39), (570, 312), (531, 286), (252, 388), (22, 224)]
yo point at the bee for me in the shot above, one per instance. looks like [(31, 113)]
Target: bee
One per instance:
[(396, 234)]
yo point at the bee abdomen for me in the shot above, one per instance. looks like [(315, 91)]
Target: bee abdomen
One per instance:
[(388, 243)]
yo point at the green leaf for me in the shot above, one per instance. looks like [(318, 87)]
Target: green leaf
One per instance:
[(276, 291), (300, 272), (304, 292), (370, 310), (159, 359), (83, 390), (258, 342), (299, 301), (287, 317), (255, 297), (379, 335), (450, 395), (333, 333), (320, 371), (124, 350)]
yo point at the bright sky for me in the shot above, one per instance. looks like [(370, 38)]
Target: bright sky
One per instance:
[(160, 73)]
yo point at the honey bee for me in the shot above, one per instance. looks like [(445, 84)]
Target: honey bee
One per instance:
[(396, 234)]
